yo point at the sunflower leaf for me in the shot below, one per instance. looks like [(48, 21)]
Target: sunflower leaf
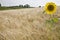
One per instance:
[(55, 20)]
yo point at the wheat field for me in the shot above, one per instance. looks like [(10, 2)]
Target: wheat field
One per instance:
[(27, 24)]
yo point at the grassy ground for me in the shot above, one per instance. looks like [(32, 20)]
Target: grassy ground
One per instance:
[(27, 24)]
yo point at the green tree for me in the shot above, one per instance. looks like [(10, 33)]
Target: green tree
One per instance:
[(21, 6), (39, 6), (26, 6), (0, 5)]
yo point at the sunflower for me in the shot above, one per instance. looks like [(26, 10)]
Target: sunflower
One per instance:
[(50, 8)]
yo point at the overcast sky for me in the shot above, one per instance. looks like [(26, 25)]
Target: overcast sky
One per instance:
[(30, 2)]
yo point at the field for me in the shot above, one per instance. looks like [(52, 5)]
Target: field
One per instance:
[(10, 8), (28, 24), (13, 7)]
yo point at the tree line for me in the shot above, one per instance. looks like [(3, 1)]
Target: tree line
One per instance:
[(21, 6), (0, 5), (15, 7)]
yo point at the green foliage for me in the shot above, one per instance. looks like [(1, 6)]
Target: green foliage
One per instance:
[(21, 6), (39, 6), (52, 21), (0, 5), (26, 6), (55, 20)]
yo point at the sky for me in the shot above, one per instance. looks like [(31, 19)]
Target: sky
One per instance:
[(33, 3)]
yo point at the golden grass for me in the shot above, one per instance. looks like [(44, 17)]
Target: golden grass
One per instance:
[(27, 24)]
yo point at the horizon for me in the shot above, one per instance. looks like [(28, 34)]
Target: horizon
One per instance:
[(33, 3)]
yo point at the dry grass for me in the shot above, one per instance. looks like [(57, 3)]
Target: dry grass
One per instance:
[(27, 24)]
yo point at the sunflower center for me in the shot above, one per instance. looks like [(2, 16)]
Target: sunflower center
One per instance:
[(50, 7)]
